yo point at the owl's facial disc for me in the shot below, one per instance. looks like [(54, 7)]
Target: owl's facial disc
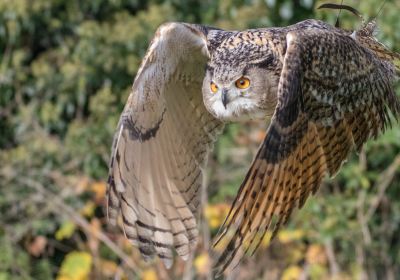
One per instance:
[(229, 94), (233, 101), (235, 92)]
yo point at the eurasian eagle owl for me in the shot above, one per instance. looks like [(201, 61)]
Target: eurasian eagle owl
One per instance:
[(325, 91)]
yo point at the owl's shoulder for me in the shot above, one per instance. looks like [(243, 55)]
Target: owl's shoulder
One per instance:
[(313, 23)]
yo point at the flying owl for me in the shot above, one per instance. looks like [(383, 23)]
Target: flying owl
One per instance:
[(323, 90)]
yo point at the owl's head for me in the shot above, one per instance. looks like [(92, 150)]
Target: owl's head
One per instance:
[(241, 80)]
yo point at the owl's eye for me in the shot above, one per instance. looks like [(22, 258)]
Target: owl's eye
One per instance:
[(242, 83), (213, 87)]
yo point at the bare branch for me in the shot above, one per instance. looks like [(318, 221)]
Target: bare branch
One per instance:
[(330, 252), (382, 183)]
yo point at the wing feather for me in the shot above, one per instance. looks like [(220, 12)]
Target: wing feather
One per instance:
[(334, 94), (161, 146)]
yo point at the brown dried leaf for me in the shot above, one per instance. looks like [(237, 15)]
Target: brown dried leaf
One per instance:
[(37, 246)]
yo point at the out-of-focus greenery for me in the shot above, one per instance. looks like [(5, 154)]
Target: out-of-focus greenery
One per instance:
[(66, 68)]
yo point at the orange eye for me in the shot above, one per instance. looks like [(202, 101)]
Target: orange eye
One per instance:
[(242, 83), (213, 87)]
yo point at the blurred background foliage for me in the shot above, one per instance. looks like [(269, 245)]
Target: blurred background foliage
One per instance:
[(66, 68)]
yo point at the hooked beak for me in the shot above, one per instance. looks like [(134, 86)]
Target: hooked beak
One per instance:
[(224, 97)]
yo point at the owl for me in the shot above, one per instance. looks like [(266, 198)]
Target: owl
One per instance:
[(323, 91)]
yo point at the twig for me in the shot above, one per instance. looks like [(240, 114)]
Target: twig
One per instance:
[(362, 158), (382, 183), (204, 224), (187, 274), (65, 209), (361, 217), (334, 266), (360, 253), (304, 275)]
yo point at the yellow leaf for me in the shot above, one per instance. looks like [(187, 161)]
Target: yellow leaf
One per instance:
[(76, 266), (88, 209), (215, 214), (108, 268), (292, 273), (295, 253), (286, 236), (149, 274), (210, 211), (214, 222), (202, 264), (65, 231), (316, 254), (99, 189), (317, 271)]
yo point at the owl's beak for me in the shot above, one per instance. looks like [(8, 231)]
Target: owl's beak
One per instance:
[(225, 97)]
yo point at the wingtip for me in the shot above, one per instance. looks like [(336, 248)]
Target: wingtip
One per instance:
[(185, 257), (224, 268), (217, 270), (168, 262)]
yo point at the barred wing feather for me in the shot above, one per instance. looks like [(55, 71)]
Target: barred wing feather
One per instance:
[(334, 94), (161, 146)]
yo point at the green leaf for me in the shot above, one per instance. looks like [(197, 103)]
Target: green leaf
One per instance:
[(65, 231)]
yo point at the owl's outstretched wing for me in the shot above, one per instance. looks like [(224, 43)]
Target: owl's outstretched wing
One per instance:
[(333, 95), (161, 145)]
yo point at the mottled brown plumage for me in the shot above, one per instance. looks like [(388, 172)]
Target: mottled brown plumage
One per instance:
[(335, 92), (326, 91)]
